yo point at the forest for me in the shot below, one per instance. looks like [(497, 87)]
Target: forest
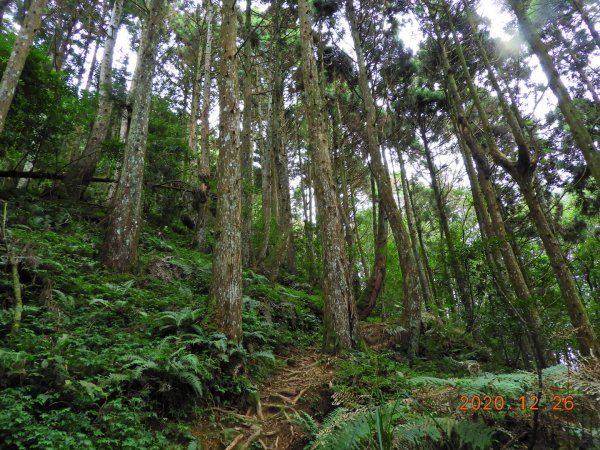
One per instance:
[(300, 224)]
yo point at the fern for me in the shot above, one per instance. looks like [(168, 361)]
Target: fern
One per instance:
[(266, 355), (177, 322), (418, 381), (308, 423), (430, 432), (511, 384), (186, 269), (362, 428), (171, 368)]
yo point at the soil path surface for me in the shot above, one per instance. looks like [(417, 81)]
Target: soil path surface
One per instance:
[(301, 385)]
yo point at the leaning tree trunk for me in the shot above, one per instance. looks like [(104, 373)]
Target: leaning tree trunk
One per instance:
[(573, 117), (82, 170), (227, 265), (589, 22), (18, 56), (531, 317), (120, 245), (412, 299), (586, 336), (522, 172), (340, 316)]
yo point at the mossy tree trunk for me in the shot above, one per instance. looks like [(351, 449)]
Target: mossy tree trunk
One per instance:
[(340, 316), (82, 170), (412, 298), (21, 48), (227, 264), (124, 221)]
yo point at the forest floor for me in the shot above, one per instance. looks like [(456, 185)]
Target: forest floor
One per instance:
[(301, 385), (106, 360)]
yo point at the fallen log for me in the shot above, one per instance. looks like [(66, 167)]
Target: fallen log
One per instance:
[(184, 187)]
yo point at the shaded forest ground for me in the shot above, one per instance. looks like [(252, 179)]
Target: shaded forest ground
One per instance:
[(126, 361)]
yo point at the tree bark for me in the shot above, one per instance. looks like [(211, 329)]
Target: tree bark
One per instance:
[(572, 116), (589, 22), (522, 171), (247, 145), (280, 163), (120, 245), (196, 90), (428, 296), (203, 214), (18, 56), (412, 299), (227, 264), (340, 316), (82, 170), (457, 269), (371, 292), (267, 190)]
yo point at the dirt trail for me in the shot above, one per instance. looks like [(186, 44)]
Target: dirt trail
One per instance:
[(301, 385)]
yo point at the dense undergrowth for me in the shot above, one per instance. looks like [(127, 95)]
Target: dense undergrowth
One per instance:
[(127, 361), (124, 361)]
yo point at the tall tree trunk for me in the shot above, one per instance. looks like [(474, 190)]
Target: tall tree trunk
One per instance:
[(368, 298), (340, 316), (18, 56), (530, 317), (267, 188), (247, 145), (589, 22), (572, 115), (90, 77), (588, 341), (227, 265), (306, 187), (494, 226), (204, 166), (203, 199), (457, 269), (428, 296), (82, 170), (577, 65), (422, 248), (522, 172), (412, 299), (120, 245), (339, 166), (196, 90), (59, 49), (280, 169)]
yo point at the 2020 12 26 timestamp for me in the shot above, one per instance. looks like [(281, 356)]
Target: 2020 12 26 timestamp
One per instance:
[(524, 403)]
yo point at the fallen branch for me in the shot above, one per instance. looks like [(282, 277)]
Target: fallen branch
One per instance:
[(183, 186), (234, 414), (251, 439), (235, 442)]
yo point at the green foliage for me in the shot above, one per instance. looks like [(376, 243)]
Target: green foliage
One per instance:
[(122, 361), (428, 432), (44, 111)]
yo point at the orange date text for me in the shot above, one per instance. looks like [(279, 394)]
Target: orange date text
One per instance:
[(524, 403)]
